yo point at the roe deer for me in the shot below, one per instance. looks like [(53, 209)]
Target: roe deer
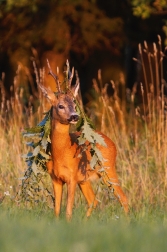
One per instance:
[(66, 166)]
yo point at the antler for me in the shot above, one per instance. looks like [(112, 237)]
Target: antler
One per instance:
[(69, 75), (48, 93), (56, 78)]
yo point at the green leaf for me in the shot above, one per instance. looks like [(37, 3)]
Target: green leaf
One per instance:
[(46, 118), (34, 168), (32, 135), (81, 139), (79, 124), (91, 125), (98, 153), (87, 131), (37, 129), (31, 144), (44, 143), (29, 162), (28, 155), (98, 138), (47, 128), (36, 150), (93, 161), (45, 155)]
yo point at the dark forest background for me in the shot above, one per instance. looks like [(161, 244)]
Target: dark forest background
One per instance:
[(92, 34)]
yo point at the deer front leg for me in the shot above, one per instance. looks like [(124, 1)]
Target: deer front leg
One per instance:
[(71, 186), (57, 187), (90, 197)]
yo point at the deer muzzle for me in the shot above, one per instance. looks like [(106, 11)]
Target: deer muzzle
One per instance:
[(73, 118)]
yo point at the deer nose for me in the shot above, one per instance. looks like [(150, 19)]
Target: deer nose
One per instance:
[(73, 118)]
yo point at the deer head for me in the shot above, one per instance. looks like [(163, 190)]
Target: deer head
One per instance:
[(63, 105)]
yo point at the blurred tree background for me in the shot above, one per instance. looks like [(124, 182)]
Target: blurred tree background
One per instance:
[(92, 34)]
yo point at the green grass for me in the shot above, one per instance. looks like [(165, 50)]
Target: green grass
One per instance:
[(23, 230)]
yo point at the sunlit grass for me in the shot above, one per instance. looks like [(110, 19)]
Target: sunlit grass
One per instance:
[(139, 130)]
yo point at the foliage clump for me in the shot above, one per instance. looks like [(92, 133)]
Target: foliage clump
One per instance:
[(33, 183)]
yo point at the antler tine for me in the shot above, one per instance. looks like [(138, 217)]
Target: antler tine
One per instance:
[(77, 78), (36, 72), (69, 75), (54, 76)]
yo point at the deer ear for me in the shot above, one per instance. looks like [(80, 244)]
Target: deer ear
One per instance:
[(48, 93), (75, 89)]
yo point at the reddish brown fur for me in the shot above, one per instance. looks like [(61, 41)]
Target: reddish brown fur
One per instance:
[(65, 165)]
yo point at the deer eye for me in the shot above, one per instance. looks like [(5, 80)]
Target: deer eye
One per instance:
[(61, 107)]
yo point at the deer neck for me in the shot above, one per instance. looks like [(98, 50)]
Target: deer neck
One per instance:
[(60, 137)]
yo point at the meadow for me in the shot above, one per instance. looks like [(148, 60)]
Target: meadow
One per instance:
[(139, 131)]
